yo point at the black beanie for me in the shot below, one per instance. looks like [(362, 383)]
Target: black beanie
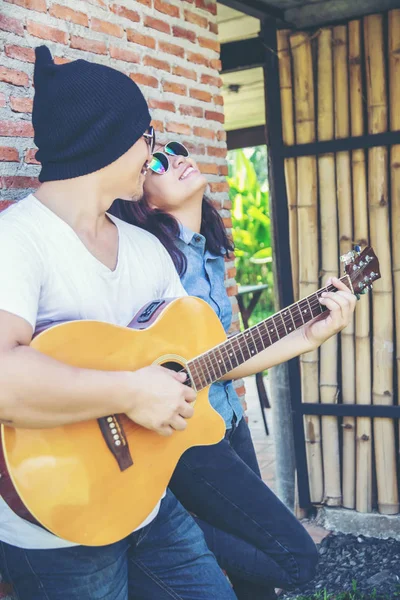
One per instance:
[(85, 116)]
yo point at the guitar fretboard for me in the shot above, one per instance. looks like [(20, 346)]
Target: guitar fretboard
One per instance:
[(215, 363)]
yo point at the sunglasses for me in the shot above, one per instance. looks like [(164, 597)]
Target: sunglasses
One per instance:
[(150, 138), (160, 162)]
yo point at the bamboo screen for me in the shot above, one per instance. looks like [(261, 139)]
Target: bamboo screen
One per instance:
[(338, 82)]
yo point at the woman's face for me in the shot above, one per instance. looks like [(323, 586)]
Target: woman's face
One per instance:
[(180, 183)]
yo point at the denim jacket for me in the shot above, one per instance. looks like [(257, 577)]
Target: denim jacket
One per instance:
[(204, 278)]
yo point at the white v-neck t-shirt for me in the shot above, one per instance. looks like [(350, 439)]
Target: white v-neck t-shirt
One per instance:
[(48, 275)]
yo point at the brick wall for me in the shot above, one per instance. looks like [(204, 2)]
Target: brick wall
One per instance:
[(169, 47)]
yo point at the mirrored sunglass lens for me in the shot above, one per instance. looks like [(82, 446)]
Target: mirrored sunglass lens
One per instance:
[(176, 149), (159, 164)]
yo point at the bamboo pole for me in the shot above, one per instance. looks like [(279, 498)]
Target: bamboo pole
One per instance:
[(329, 267), (343, 182), (394, 78), (288, 133), (300, 44), (362, 316), (382, 299)]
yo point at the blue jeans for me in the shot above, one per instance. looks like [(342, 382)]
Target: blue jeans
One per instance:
[(166, 559), (255, 538)]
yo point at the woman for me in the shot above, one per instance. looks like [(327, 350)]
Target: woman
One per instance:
[(255, 538)]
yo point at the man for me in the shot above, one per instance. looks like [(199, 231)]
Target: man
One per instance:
[(63, 258)]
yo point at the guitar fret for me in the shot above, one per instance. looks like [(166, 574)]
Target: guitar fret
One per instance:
[(238, 346), (199, 374), (204, 370), (232, 355), (212, 372), (265, 324), (283, 321), (257, 330), (293, 321), (245, 337), (217, 363), (300, 312)]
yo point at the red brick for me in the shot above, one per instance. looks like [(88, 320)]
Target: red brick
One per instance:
[(38, 5), (209, 5), (138, 38), (204, 132), (216, 64), (227, 222), (157, 24), (240, 390), (67, 14), (220, 186), (142, 79), (211, 80), (100, 3), (123, 54), (19, 182), (149, 61), (198, 59), (16, 128), (201, 95), (191, 111), (21, 53), (122, 11), (167, 9), (208, 168), (195, 148), (215, 116), (186, 34), (209, 43), (175, 88), (221, 135), (195, 18), (223, 170), (2, 100), (168, 106), (158, 126), (145, 2), (213, 27), (22, 105), (8, 154), (93, 46), (30, 157), (106, 27), (226, 203), (62, 60), (13, 76), (3, 205), (213, 151), (171, 49), (232, 290), (180, 128), (231, 273), (11, 25), (47, 33), (218, 100), (187, 73)]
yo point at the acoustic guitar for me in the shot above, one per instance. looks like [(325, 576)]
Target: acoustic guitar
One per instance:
[(94, 482)]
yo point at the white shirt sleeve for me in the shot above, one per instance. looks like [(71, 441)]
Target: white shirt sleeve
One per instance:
[(21, 272), (172, 284)]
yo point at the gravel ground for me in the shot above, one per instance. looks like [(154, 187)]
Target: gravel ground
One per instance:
[(370, 565)]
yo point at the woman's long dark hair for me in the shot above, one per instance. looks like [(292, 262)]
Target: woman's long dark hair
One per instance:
[(166, 228)]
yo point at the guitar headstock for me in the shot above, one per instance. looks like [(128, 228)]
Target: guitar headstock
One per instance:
[(362, 268)]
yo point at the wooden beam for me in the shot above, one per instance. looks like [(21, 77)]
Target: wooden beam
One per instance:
[(241, 55), (245, 138), (327, 12), (255, 8)]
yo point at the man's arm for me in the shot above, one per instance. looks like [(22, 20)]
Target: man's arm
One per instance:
[(37, 391)]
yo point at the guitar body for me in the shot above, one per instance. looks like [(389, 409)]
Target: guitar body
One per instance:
[(67, 477)]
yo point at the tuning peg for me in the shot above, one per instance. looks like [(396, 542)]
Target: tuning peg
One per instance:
[(357, 296), (357, 249)]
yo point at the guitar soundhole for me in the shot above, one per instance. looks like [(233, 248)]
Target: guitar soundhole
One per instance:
[(174, 366)]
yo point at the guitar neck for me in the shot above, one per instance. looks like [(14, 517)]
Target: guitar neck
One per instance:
[(209, 367)]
